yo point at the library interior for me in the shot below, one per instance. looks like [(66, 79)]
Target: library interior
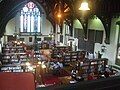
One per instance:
[(59, 44)]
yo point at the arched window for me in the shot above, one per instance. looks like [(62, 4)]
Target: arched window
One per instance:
[(30, 18)]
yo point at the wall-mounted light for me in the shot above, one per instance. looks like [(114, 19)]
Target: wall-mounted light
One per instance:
[(28, 64), (103, 48), (84, 6), (51, 33)]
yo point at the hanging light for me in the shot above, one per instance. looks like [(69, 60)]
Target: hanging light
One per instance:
[(59, 15), (84, 6)]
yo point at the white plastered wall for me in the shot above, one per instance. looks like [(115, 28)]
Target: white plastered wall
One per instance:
[(110, 51), (15, 22), (95, 24)]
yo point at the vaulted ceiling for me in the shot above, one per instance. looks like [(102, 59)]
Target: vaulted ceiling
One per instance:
[(104, 9)]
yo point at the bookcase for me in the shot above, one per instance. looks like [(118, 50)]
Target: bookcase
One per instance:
[(93, 65), (74, 55), (59, 50), (13, 57), (67, 57), (71, 56)]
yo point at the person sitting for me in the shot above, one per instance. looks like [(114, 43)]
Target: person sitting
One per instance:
[(74, 73), (56, 67), (79, 78), (91, 76), (107, 72), (99, 54)]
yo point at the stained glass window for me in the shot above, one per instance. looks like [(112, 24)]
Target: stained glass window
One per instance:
[(30, 18)]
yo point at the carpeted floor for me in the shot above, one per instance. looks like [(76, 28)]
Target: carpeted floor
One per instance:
[(50, 79), (16, 81)]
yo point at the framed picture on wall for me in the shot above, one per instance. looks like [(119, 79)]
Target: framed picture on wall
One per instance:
[(48, 38), (38, 39), (30, 39), (21, 39)]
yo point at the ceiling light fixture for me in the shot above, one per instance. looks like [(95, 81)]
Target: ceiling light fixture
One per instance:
[(59, 15), (84, 6)]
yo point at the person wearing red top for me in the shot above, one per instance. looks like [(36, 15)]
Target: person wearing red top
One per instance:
[(90, 76)]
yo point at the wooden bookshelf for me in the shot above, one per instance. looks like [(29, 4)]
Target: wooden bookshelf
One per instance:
[(71, 56), (14, 57), (59, 50), (93, 65)]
